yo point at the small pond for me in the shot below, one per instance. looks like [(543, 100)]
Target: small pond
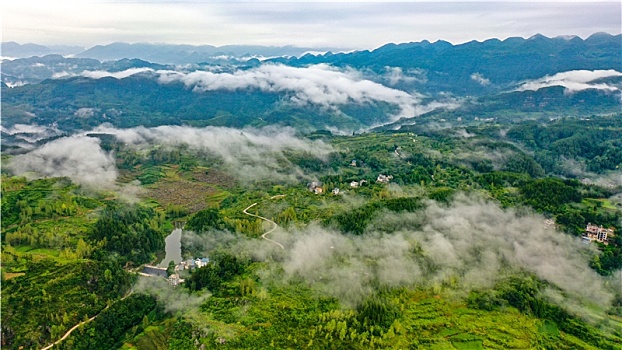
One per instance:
[(173, 248)]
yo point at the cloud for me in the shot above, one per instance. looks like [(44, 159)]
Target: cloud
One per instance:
[(467, 245), (573, 81), (319, 84), (24, 129), (175, 300), (480, 79), (346, 24), (395, 75), (84, 112), (79, 158), (62, 74), (97, 74), (250, 154)]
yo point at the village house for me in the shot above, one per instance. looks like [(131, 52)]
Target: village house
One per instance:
[(315, 187), (194, 263), (174, 280), (335, 191), (597, 233), (384, 178), (355, 184)]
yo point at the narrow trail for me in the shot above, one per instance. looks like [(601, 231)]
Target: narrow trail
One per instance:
[(80, 324), (266, 219)]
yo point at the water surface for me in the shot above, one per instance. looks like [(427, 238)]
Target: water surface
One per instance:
[(173, 248)]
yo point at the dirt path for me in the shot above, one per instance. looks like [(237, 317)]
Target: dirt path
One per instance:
[(78, 325), (265, 219)]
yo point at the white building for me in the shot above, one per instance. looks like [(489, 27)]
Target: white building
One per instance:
[(384, 178)]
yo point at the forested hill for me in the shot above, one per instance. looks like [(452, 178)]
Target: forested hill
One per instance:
[(496, 63), (349, 92)]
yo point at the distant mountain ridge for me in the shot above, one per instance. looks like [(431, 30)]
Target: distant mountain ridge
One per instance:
[(158, 53), (15, 50), (183, 54), (480, 67), (491, 80)]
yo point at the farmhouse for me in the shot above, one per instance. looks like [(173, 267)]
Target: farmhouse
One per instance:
[(385, 179), (174, 280), (597, 233), (315, 187)]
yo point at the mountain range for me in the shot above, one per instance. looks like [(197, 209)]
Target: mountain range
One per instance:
[(438, 82), (159, 53)]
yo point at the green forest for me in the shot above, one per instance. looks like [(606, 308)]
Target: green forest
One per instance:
[(310, 247)]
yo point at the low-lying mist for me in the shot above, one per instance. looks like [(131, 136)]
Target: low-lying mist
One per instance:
[(77, 157), (174, 299), (248, 154), (467, 245)]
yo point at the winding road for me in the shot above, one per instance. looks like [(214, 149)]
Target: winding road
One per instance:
[(266, 219), (78, 325), (245, 212)]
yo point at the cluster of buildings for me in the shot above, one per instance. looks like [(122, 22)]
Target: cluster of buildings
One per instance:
[(597, 233), (189, 264), (316, 187), (192, 264)]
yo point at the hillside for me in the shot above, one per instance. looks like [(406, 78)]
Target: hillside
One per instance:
[(457, 250), (477, 68), (393, 85)]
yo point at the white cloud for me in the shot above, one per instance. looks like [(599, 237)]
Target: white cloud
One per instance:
[(480, 79), (97, 74), (31, 133), (79, 158), (396, 75), (573, 81), (318, 84), (249, 154), (469, 244), (346, 25), (24, 129)]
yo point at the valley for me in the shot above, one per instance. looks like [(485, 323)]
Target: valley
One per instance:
[(323, 258), (310, 175)]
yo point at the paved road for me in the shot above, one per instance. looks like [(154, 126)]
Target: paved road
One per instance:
[(268, 220)]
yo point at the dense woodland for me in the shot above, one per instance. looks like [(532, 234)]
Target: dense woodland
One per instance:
[(70, 253)]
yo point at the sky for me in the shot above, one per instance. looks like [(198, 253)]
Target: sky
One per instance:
[(345, 25)]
